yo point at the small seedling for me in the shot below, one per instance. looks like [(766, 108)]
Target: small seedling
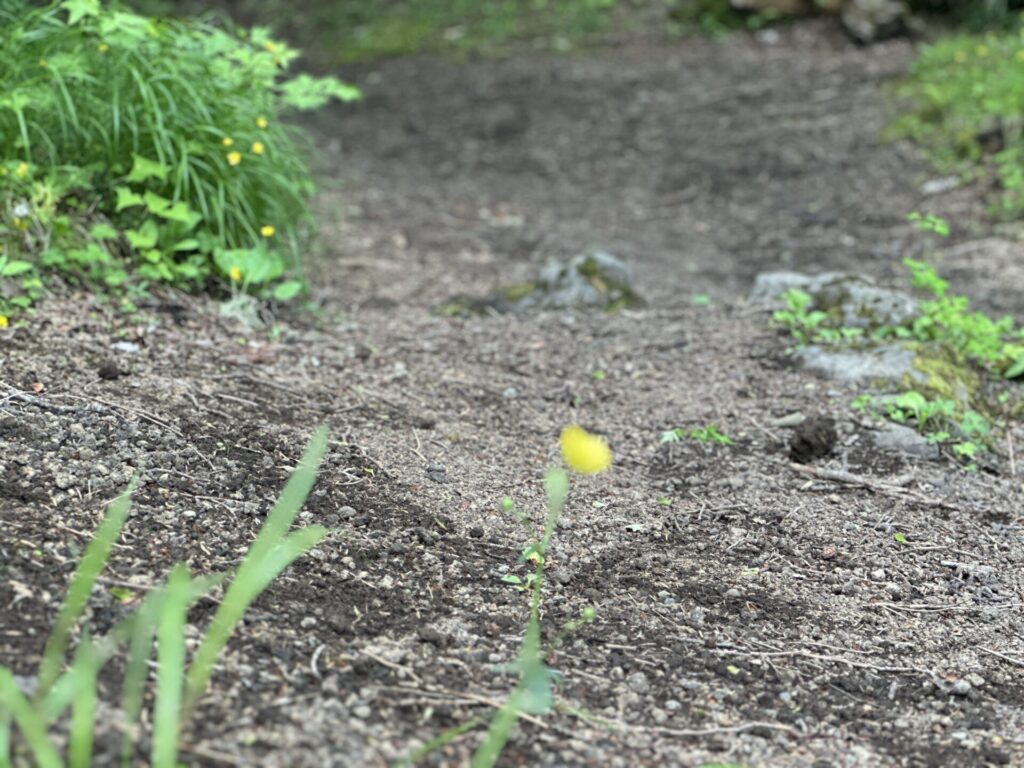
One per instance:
[(706, 434)]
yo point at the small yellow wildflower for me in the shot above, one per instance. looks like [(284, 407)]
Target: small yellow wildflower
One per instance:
[(44, 63), (270, 46), (261, 122), (267, 230), (21, 170), (227, 141), (257, 147), (1020, 55), (102, 47), (235, 274), (4, 322), (234, 158), (584, 452)]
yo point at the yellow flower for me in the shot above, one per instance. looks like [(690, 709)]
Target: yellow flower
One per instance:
[(261, 122), (267, 231), (1020, 55), (584, 452), (235, 274), (257, 147), (227, 141), (4, 322), (270, 46), (234, 158), (44, 63), (102, 47), (21, 170)]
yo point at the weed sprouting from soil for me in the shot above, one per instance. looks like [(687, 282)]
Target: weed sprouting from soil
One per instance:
[(162, 614)]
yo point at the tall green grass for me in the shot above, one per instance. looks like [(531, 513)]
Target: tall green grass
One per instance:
[(153, 148), (61, 686)]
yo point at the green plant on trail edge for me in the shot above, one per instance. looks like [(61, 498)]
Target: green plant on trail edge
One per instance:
[(161, 615), (964, 358), (706, 434), (965, 100), (135, 150), (362, 30), (534, 690)]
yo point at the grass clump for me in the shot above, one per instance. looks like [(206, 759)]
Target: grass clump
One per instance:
[(136, 150), (965, 105), (346, 31), (62, 686)]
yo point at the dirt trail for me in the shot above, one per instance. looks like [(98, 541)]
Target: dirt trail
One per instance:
[(746, 613)]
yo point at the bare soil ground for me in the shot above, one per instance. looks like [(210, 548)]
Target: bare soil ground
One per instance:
[(746, 612)]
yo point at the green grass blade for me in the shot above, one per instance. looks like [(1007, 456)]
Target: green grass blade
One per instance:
[(32, 726), (5, 738), (170, 668), (85, 671), (244, 589), (258, 568), (136, 670), (498, 734), (92, 563), (443, 739)]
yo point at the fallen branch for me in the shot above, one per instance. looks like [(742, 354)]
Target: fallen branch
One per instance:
[(886, 489)]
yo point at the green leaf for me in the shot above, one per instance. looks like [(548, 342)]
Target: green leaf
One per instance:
[(306, 92), (126, 198), (77, 9), (191, 244), (143, 169), (15, 267), (287, 290), (900, 537), (144, 237), (104, 231)]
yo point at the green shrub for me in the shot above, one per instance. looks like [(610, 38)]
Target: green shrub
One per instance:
[(965, 98), (134, 149)]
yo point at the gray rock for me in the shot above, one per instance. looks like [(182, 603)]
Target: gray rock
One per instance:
[(868, 21), (901, 439), (854, 301), (638, 682), (594, 279), (889, 362)]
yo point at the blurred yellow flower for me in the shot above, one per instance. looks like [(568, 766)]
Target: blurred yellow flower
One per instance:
[(257, 147), (235, 274), (21, 170), (261, 122), (584, 452), (102, 47), (270, 46), (1020, 55), (234, 158), (44, 63), (4, 322), (267, 231), (227, 141)]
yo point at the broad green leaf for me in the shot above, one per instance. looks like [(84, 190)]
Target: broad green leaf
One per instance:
[(15, 267), (104, 231), (287, 290), (143, 169), (144, 237), (126, 198), (77, 9)]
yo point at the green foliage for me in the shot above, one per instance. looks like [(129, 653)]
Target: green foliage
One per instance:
[(799, 318), (145, 150), (705, 434), (965, 98), (347, 31), (717, 18), (162, 614)]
